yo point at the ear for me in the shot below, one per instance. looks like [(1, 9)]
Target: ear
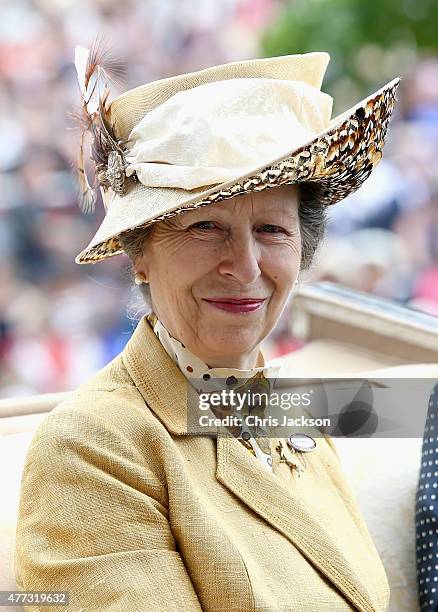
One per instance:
[(140, 266)]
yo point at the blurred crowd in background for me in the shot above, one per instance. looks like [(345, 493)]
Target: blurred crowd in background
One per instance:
[(60, 322)]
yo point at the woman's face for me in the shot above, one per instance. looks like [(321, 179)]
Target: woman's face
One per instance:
[(204, 265)]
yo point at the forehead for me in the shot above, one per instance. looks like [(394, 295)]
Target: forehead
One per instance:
[(278, 201)]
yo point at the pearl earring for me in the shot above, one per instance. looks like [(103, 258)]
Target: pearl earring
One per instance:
[(140, 279)]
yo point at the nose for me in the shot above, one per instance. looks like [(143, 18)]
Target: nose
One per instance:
[(241, 258)]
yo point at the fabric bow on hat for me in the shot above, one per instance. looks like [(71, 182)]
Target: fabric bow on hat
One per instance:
[(219, 131)]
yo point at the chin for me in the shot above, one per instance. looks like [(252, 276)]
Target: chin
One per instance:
[(232, 341)]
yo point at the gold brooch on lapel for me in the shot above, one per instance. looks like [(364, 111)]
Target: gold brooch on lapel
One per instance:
[(299, 442), (284, 459)]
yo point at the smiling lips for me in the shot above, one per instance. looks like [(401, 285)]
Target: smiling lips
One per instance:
[(236, 305)]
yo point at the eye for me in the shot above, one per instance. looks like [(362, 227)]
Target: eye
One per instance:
[(203, 225), (271, 229)]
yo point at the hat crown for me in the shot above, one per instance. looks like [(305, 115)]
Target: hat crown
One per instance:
[(129, 108), (219, 130)]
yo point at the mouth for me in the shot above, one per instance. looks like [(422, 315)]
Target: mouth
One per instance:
[(237, 305)]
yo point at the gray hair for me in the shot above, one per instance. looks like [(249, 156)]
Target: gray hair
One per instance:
[(313, 223), (132, 242)]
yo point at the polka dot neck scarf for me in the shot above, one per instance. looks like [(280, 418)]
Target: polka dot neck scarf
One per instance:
[(202, 378)]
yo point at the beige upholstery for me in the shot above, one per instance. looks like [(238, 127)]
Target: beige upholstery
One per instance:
[(383, 473), (366, 323), (330, 356)]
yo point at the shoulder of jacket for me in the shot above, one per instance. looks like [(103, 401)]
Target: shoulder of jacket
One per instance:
[(108, 405)]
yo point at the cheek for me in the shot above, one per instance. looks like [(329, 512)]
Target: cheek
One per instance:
[(282, 266), (193, 263), (177, 272)]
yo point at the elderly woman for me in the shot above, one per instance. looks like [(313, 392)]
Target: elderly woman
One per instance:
[(215, 184)]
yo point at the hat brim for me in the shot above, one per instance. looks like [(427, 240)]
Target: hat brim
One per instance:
[(336, 162)]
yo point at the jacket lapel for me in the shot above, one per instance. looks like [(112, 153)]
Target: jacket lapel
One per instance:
[(165, 389), (242, 474)]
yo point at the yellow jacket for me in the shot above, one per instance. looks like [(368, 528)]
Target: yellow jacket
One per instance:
[(123, 509)]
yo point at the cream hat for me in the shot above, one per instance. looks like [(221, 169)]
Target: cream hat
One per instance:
[(199, 138)]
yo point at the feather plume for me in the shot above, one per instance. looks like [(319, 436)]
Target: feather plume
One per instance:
[(96, 69)]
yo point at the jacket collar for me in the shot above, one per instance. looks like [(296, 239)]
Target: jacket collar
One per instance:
[(164, 388)]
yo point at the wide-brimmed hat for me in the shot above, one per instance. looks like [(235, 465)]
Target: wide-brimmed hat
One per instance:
[(199, 138)]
